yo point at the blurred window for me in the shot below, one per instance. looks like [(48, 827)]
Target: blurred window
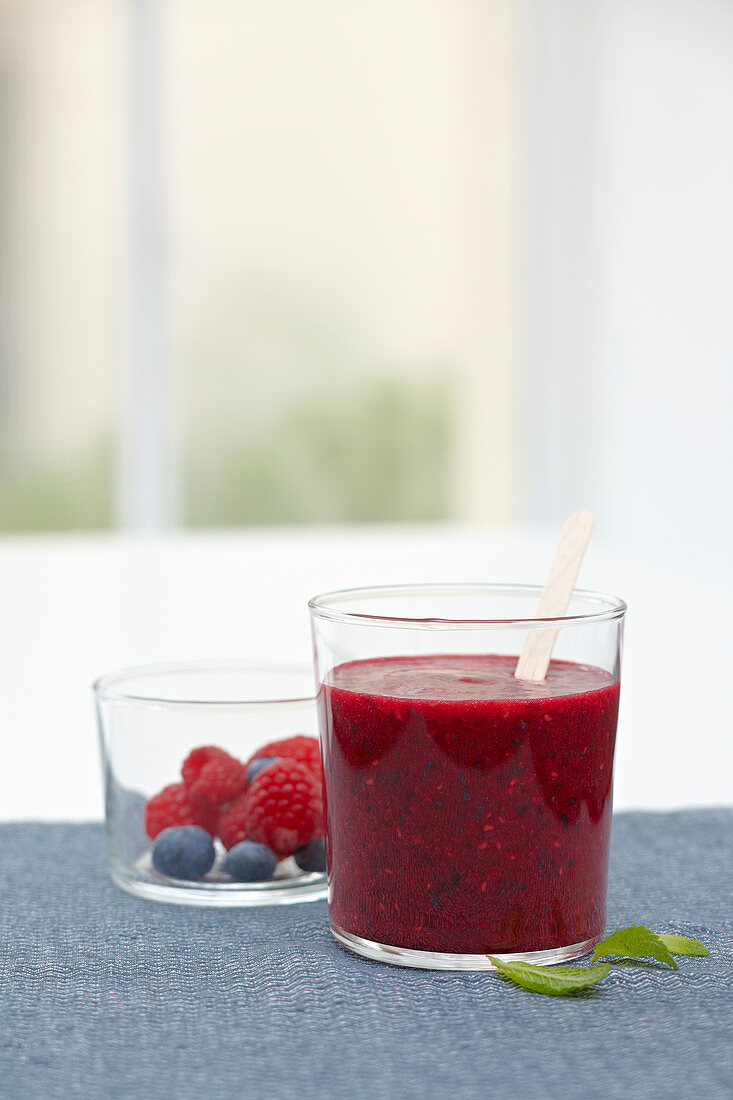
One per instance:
[(240, 262), (292, 261)]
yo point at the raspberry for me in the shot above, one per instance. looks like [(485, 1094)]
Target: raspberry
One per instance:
[(232, 827), (171, 807), (301, 748), (213, 777), (284, 808)]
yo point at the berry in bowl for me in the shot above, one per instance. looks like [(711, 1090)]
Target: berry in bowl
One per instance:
[(236, 819)]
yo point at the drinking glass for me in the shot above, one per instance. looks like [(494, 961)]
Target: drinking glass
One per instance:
[(150, 719), (468, 812)]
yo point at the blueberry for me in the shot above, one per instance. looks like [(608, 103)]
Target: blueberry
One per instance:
[(250, 862), (257, 766), (312, 856), (184, 851)]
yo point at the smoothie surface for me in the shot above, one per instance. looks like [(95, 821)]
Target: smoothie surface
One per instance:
[(463, 677)]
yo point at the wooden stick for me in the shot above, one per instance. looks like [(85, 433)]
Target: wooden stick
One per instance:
[(537, 650)]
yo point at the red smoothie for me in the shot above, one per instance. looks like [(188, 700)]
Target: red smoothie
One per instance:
[(468, 811)]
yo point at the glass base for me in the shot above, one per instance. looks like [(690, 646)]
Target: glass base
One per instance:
[(290, 885), (446, 960)]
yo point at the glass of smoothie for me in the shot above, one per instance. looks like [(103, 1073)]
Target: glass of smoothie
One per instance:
[(468, 812)]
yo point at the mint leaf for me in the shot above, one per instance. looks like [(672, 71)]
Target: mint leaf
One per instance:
[(634, 943), (682, 945), (554, 981)]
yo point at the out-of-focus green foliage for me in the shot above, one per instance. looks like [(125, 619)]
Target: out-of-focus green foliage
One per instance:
[(76, 494), (378, 452), (382, 452)]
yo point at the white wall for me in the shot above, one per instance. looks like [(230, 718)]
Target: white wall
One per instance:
[(61, 159), (629, 262)]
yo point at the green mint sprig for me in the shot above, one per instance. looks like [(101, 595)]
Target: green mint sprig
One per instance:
[(635, 942), (682, 945), (553, 981)]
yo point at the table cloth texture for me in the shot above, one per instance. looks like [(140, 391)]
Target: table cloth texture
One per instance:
[(107, 996)]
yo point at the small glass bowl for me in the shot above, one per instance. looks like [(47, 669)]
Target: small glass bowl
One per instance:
[(150, 719)]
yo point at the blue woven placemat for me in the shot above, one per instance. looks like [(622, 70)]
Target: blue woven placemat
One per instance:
[(106, 996)]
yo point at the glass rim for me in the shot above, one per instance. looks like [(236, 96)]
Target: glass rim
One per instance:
[(613, 606), (104, 687)]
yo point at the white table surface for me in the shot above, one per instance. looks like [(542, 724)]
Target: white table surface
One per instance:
[(77, 606)]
